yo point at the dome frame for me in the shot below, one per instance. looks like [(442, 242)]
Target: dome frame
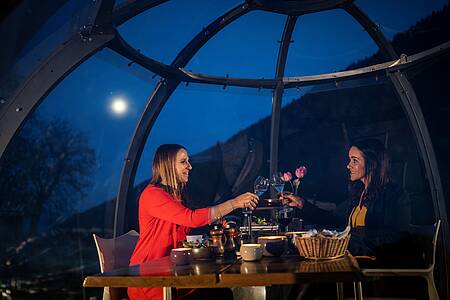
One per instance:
[(102, 33)]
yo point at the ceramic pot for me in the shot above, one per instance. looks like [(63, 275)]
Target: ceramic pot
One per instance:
[(273, 245), (202, 253), (181, 256), (251, 252)]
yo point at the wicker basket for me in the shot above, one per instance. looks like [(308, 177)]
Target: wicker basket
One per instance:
[(322, 247)]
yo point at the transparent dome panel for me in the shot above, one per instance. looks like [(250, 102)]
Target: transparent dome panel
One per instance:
[(118, 4), (320, 46), (60, 174), (32, 32), (386, 14), (318, 129), (131, 68), (221, 129), (163, 31), (430, 82), (248, 47)]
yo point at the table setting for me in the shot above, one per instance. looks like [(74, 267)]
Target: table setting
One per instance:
[(263, 252)]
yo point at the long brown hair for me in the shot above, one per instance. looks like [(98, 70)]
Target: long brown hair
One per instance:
[(377, 169), (163, 169)]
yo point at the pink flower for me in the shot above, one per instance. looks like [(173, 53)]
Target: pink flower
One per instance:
[(301, 172), (286, 176)]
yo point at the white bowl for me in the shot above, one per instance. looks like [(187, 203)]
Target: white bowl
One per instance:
[(251, 252), (194, 238)]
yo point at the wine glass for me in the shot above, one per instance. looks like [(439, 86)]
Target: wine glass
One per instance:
[(284, 216), (277, 182), (261, 185)]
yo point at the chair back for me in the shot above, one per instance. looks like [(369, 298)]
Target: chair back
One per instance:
[(436, 234), (116, 252), (426, 239), (113, 254)]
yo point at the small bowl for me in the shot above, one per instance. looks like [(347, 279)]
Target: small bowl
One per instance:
[(251, 252), (273, 245), (181, 256), (291, 238), (194, 238), (202, 253)]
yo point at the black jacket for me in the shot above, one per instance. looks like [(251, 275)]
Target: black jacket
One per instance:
[(387, 220)]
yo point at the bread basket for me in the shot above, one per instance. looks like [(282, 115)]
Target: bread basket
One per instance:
[(322, 247)]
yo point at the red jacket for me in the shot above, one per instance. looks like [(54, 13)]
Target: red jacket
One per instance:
[(163, 222)]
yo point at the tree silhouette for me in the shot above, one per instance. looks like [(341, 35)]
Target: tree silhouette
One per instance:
[(46, 168)]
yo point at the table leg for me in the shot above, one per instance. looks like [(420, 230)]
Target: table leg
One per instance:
[(357, 287), (340, 290), (167, 293)]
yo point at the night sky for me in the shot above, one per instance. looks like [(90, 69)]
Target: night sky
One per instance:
[(199, 116)]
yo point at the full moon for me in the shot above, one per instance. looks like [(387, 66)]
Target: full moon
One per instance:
[(119, 106)]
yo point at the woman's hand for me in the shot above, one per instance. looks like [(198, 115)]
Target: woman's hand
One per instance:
[(290, 199), (247, 200)]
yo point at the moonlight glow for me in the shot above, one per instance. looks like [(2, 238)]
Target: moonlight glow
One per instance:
[(119, 106)]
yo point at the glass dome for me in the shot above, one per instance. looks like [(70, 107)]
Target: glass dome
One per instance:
[(89, 90)]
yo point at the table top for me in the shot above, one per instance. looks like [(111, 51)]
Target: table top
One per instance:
[(230, 273), (162, 272), (290, 270)]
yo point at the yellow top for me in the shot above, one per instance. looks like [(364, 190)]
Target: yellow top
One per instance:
[(358, 214)]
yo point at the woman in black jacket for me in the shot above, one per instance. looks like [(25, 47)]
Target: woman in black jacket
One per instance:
[(378, 210)]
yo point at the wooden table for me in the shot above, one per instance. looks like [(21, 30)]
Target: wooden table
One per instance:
[(230, 273), (290, 270), (161, 272)]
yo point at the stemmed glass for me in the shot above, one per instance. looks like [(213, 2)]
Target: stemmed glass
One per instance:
[(284, 217), (260, 186), (284, 214), (277, 182)]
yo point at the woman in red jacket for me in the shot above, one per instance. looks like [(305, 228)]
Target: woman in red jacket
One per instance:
[(163, 218)]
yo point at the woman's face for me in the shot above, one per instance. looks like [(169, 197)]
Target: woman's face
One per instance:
[(182, 166), (356, 164)]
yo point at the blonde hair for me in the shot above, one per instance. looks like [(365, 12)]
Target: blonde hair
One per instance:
[(163, 169)]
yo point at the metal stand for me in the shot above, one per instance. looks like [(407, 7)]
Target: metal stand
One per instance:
[(248, 216)]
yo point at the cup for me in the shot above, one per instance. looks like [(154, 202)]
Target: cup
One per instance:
[(181, 256), (251, 252), (273, 245), (194, 238)]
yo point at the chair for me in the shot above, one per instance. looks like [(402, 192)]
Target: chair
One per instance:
[(113, 254), (426, 272)]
